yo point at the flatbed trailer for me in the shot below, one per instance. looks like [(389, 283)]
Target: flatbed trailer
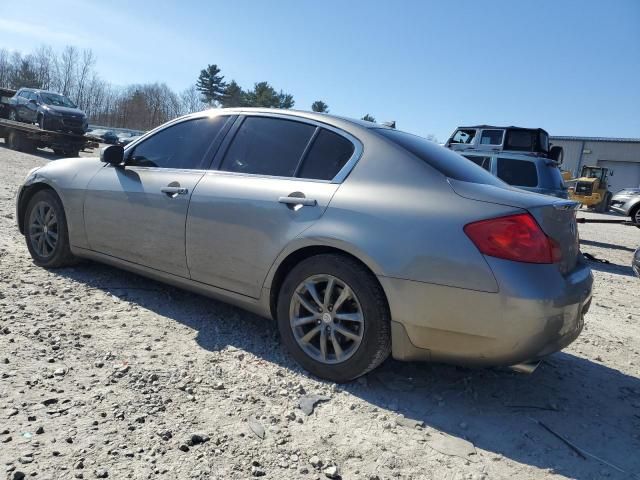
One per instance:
[(26, 137)]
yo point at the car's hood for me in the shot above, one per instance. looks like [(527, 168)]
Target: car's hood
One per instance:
[(64, 110)]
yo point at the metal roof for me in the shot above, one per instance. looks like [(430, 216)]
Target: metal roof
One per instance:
[(595, 139)]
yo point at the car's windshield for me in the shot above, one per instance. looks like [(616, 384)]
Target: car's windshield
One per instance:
[(57, 100), (444, 160)]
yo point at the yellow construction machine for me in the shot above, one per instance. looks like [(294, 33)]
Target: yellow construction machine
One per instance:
[(590, 188)]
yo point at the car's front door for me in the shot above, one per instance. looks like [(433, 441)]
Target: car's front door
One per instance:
[(137, 212), (276, 179), (30, 107), (20, 105)]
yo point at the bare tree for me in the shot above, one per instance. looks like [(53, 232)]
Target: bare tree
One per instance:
[(44, 59), (5, 67), (66, 68), (191, 101), (83, 74)]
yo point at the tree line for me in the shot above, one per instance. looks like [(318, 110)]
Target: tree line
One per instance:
[(72, 73)]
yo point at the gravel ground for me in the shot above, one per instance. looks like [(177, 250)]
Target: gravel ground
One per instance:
[(105, 374)]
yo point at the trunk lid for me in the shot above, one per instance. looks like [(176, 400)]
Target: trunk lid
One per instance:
[(556, 217)]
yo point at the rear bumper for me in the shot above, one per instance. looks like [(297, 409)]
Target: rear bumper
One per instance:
[(536, 312)]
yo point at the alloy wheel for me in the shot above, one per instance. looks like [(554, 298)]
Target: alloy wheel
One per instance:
[(326, 319), (43, 229)]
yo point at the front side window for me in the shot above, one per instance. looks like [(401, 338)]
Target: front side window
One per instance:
[(491, 137), (267, 146), (183, 145), (327, 156), (484, 162), (464, 136), (520, 173)]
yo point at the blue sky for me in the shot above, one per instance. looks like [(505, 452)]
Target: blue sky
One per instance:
[(572, 67)]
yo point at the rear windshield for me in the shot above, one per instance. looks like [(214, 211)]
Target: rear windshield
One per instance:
[(449, 163)]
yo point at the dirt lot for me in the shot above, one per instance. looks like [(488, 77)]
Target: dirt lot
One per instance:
[(107, 374)]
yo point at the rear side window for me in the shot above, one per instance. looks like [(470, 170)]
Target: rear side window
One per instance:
[(521, 173), (484, 162), (327, 156), (267, 146), (182, 145), (449, 163), (491, 137)]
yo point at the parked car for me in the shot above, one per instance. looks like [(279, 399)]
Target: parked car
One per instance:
[(522, 157), (50, 110), (627, 202), (358, 239), (110, 137), (129, 139)]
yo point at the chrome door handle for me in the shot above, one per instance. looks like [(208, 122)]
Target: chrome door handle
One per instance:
[(173, 191), (307, 202)]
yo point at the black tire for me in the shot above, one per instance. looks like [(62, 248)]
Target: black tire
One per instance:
[(60, 255), (71, 153), (41, 122), (635, 215), (375, 344), (13, 115), (604, 205)]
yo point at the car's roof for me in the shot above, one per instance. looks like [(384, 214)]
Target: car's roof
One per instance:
[(510, 127), (39, 90), (319, 117)]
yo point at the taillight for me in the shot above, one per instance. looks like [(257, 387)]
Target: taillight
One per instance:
[(515, 237)]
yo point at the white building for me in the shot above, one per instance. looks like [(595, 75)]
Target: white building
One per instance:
[(620, 155)]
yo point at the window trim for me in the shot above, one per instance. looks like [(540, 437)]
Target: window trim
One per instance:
[(342, 174)]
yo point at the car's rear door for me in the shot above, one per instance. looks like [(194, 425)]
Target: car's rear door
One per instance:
[(138, 212), (276, 178)]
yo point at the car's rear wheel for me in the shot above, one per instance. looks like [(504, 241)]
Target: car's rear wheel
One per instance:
[(333, 317), (45, 226), (13, 115)]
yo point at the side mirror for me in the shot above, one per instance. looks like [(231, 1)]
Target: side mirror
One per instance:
[(112, 154)]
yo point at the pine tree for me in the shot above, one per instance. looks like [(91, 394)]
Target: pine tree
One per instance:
[(233, 96), (210, 83), (320, 107), (369, 118)]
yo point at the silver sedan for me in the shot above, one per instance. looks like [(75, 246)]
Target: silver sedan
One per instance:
[(359, 240)]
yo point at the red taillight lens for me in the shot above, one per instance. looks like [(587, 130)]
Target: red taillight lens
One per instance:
[(516, 237)]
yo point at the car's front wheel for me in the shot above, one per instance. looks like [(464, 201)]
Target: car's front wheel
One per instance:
[(46, 233), (333, 317)]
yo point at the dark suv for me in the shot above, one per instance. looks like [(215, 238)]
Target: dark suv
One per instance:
[(50, 110)]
